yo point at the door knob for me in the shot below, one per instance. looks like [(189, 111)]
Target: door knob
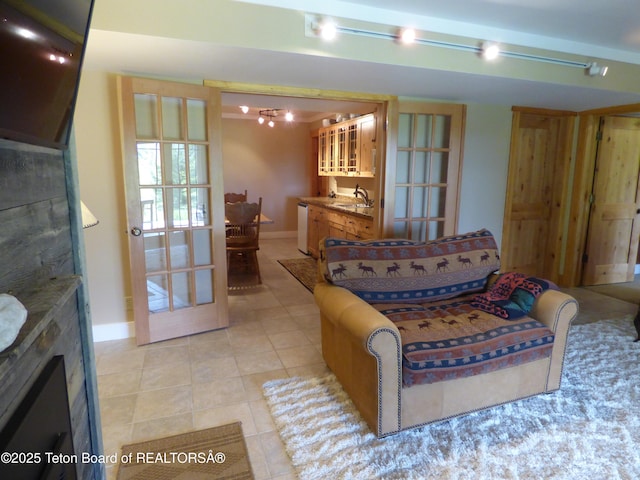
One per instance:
[(136, 232)]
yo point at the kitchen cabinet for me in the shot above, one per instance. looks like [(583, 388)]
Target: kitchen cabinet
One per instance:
[(367, 144), (317, 228), (348, 148), (329, 222)]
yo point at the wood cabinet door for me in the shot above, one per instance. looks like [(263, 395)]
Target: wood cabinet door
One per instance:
[(366, 145), (323, 160), (614, 226), (317, 229)]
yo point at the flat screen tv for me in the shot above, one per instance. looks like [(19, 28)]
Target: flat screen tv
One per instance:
[(42, 44)]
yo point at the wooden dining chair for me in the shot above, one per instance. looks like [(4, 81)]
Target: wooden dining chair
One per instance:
[(243, 236), (235, 197)]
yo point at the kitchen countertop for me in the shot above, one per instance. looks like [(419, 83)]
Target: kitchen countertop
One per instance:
[(341, 204)]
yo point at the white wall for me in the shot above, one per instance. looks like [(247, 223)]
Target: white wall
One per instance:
[(272, 163), (97, 135), (485, 168)]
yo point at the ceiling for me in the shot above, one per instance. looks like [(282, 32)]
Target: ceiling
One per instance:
[(605, 29)]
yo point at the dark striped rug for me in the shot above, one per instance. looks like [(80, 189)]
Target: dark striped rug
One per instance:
[(305, 270), (215, 453)]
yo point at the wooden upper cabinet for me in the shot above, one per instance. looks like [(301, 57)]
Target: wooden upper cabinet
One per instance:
[(346, 148), (366, 145)]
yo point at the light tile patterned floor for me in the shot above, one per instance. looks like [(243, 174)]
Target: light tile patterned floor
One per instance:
[(215, 378)]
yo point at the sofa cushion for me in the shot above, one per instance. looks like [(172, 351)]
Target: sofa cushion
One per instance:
[(451, 339), (396, 270)]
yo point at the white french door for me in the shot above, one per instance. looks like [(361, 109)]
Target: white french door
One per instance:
[(175, 207)]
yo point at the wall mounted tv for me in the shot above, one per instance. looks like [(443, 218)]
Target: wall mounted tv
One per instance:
[(42, 44)]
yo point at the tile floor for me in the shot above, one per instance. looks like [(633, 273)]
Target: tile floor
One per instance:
[(215, 378)]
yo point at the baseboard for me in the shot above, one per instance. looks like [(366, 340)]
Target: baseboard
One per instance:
[(282, 234), (113, 331)]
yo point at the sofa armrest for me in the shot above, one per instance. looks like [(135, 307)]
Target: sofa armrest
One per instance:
[(556, 310), (363, 349)]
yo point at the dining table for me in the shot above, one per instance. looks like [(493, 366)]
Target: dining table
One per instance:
[(264, 220)]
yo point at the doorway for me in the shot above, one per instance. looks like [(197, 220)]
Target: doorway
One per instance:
[(537, 192), (613, 233), (583, 185), (280, 163), (172, 164)]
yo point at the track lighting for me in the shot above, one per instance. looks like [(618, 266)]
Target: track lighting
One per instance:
[(594, 70), (407, 35), (327, 29), (489, 50)]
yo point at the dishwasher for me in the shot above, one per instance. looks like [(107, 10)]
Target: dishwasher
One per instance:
[(303, 215)]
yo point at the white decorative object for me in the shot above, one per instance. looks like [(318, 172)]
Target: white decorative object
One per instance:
[(12, 317)]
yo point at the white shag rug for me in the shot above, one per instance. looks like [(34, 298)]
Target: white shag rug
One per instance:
[(589, 429)]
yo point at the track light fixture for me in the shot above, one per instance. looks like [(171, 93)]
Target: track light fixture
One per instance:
[(407, 35), (490, 50), (315, 27), (594, 70), (327, 29), (268, 114)]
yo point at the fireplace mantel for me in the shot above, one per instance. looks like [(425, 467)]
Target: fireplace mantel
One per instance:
[(51, 329), (43, 303)]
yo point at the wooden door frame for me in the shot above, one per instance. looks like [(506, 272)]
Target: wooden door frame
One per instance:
[(582, 187)]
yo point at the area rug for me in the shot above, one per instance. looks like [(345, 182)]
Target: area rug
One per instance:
[(218, 453), (589, 429), (305, 270)]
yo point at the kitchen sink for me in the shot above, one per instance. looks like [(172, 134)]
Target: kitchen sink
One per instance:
[(351, 205)]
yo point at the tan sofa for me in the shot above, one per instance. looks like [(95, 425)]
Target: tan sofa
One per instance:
[(364, 349)]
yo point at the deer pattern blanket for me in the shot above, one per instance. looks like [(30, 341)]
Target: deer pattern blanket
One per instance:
[(449, 339)]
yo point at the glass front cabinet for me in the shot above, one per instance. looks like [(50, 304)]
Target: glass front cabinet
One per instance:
[(348, 148)]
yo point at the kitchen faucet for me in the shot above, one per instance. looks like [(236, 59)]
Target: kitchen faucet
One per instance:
[(363, 193)]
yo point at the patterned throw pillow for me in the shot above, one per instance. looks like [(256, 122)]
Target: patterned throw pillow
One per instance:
[(397, 270)]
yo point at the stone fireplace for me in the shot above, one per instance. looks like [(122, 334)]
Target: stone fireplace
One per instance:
[(39, 265)]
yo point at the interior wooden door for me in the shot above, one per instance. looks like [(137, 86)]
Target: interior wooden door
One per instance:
[(537, 189), (175, 207), (614, 229)]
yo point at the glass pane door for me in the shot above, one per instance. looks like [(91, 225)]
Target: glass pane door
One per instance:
[(174, 190), (172, 176), (426, 172)]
